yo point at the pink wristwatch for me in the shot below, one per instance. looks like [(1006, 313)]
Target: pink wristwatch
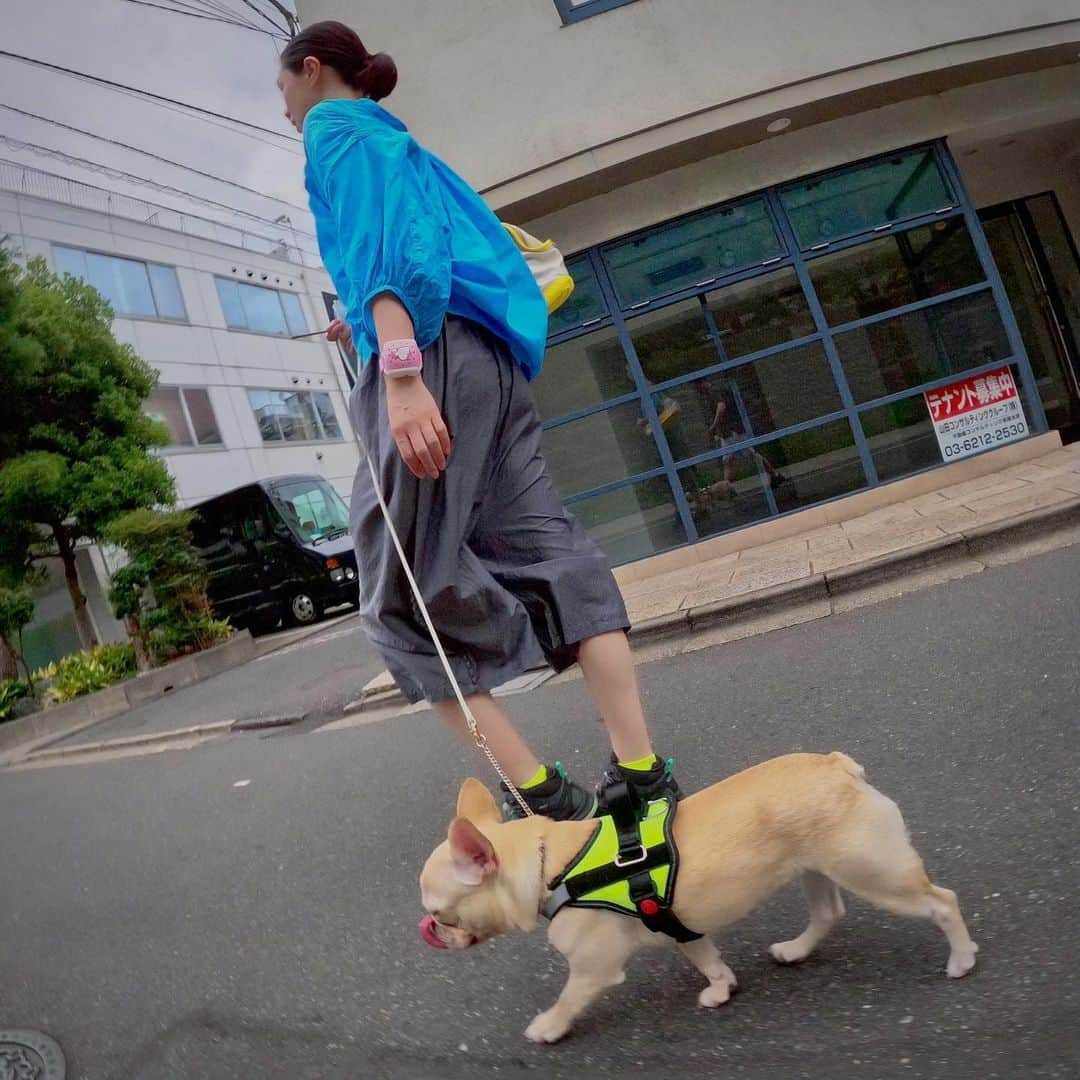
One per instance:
[(400, 358)]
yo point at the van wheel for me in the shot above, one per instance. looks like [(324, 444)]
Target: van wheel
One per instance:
[(303, 610)]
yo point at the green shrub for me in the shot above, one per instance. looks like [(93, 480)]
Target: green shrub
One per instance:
[(86, 672), (11, 691)]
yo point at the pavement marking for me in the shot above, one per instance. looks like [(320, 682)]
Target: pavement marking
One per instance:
[(304, 643), (241, 783)]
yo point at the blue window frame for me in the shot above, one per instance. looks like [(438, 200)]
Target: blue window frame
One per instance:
[(573, 11), (772, 353)]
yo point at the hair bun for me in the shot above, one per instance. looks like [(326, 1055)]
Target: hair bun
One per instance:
[(379, 76)]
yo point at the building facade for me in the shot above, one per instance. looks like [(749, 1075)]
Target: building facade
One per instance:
[(220, 313), (816, 252)]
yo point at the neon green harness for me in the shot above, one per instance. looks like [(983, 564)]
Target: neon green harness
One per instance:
[(628, 865)]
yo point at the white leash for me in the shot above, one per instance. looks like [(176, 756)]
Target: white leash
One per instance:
[(478, 737)]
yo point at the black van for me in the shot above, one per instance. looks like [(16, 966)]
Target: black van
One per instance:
[(275, 549)]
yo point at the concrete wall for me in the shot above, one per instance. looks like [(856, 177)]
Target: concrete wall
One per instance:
[(504, 91)]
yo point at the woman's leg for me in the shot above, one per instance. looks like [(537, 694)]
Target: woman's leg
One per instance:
[(506, 744), (608, 666)]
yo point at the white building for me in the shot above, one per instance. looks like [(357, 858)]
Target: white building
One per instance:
[(214, 309)]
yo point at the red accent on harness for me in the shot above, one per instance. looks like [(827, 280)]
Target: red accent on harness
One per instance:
[(648, 907)]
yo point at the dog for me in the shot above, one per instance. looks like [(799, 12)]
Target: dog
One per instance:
[(812, 816)]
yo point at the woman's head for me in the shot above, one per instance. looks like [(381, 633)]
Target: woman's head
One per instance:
[(329, 60)]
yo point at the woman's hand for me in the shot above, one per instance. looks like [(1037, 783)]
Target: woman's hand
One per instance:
[(417, 426), (339, 330)]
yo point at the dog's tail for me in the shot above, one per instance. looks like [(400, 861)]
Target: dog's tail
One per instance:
[(849, 765)]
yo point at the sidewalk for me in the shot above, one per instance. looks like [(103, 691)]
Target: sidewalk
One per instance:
[(938, 535)]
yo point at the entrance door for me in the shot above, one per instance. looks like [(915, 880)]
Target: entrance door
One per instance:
[(1041, 274)]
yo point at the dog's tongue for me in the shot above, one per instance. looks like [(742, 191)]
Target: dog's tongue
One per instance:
[(427, 932)]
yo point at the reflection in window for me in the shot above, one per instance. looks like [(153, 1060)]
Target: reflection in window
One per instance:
[(262, 310), (312, 508), (187, 413), (633, 521), (586, 302), (760, 313), (673, 341), (778, 391), (901, 437), (131, 287), (600, 448), (691, 251), (892, 355), (294, 415), (895, 270), (856, 200), (581, 372)]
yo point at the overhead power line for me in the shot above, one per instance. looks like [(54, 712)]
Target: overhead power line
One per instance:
[(201, 15), (158, 98), (149, 154)]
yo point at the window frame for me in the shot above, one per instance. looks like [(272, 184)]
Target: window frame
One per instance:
[(176, 320), (286, 334), (196, 447), (290, 391), (571, 13)]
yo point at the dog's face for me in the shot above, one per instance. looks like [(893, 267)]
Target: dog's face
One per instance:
[(472, 891)]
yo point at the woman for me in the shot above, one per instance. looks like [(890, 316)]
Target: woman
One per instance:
[(449, 326)]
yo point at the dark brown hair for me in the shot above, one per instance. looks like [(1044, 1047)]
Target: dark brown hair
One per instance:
[(336, 46)]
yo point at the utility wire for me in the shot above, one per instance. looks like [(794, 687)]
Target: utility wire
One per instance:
[(263, 15), (156, 157), (158, 98), (200, 15)]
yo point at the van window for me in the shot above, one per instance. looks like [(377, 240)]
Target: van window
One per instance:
[(312, 508)]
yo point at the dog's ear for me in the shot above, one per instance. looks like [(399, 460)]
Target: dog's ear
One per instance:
[(476, 803), (474, 857)]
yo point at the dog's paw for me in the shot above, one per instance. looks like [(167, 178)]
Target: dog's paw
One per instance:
[(788, 952), (716, 994), (547, 1027), (961, 961)]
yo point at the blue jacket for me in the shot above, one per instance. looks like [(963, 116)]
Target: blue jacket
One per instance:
[(391, 217)]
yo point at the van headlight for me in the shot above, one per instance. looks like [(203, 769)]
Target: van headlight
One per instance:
[(337, 576)]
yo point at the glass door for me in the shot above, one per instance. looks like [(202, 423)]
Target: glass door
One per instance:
[(1041, 275)]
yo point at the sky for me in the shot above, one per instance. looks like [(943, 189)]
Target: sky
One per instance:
[(218, 67)]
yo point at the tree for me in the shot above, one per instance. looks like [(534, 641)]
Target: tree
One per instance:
[(161, 592), (16, 611), (75, 447)]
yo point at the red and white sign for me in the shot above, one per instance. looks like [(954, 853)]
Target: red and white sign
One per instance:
[(976, 414)]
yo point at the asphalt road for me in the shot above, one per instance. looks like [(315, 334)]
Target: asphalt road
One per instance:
[(161, 922)]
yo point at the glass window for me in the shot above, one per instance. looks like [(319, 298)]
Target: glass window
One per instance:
[(581, 372), (889, 356), (166, 288), (312, 508), (599, 449), (203, 423), (691, 251), (325, 410), (859, 199), (164, 404), (586, 303), (233, 310), (895, 270), (765, 395), (126, 283), (901, 437), (196, 426), (294, 415), (634, 521), (262, 309), (761, 313), (673, 341), (725, 494), (575, 10), (294, 313)]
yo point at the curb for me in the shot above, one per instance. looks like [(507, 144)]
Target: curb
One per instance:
[(843, 581)]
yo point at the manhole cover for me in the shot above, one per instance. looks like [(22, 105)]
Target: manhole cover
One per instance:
[(29, 1055)]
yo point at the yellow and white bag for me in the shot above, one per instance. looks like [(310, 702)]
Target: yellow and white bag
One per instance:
[(547, 265)]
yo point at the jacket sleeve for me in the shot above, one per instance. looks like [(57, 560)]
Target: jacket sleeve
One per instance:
[(391, 229)]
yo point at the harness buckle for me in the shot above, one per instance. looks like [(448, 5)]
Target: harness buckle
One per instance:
[(639, 857)]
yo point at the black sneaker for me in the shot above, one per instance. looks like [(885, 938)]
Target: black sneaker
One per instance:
[(557, 797), (647, 785)]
